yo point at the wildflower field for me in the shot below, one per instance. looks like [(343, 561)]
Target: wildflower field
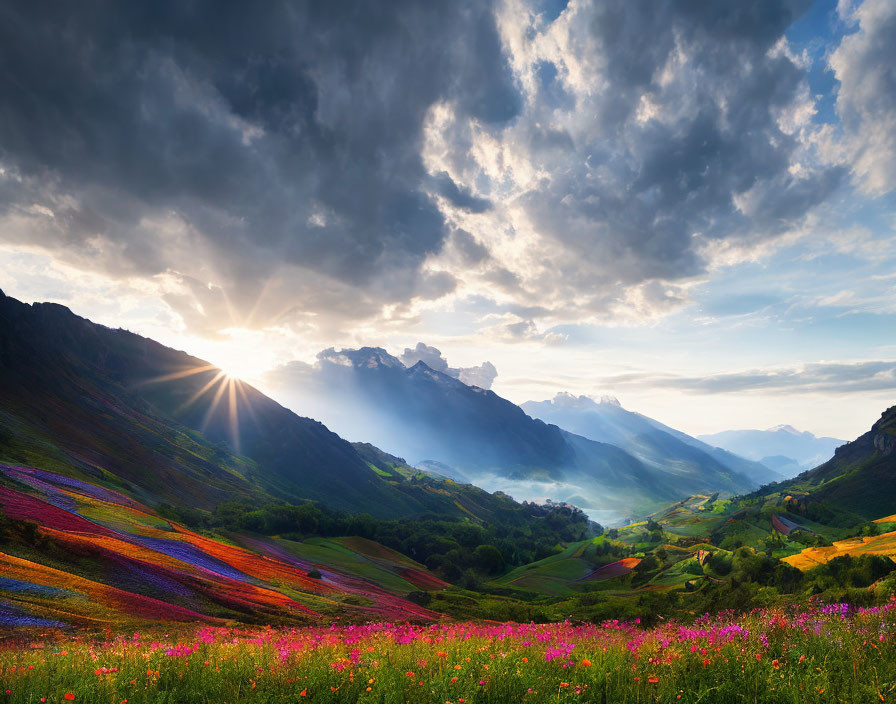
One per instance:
[(819, 653)]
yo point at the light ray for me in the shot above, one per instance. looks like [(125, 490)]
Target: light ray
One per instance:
[(244, 396), (214, 404), (195, 397), (177, 375), (233, 414)]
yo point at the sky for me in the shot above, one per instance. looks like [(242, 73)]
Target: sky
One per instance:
[(686, 205)]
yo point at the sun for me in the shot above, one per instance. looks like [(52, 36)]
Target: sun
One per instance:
[(238, 365)]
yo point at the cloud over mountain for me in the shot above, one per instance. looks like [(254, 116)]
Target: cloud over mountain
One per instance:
[(482, 375), (352, 161)]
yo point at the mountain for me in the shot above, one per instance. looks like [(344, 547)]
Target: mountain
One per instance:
[(861, 476), (804, 449), (111, 406), (655, 444), (436, 420)]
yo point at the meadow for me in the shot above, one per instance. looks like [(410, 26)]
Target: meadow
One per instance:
[(815, 653)]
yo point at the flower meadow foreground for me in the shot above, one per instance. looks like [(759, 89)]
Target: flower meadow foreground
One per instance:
[(820, 653)]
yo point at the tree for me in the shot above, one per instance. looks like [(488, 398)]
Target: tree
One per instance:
[(488, 558)]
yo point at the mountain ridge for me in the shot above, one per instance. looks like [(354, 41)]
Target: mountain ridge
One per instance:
[(111, 404), (805, 449)]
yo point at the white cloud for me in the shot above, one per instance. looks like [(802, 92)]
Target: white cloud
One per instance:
[(865, 65)]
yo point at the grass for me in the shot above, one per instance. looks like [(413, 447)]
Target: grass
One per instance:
[(813, 653)]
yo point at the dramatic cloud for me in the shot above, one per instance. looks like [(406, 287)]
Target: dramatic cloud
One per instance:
[(254, 151), (355, 160), (865, 65), (837, 378), (481, 376), (651, 134)]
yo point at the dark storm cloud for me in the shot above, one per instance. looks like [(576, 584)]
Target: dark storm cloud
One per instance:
[(261, 135), (654, 136), (460, 197), (822, 377), (686, 123), (285, 158)]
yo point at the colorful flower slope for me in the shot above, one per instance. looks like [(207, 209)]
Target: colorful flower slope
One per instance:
[(129, 562), (815, 653)]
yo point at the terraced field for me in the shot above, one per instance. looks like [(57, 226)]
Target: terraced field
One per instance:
[(884, 544)]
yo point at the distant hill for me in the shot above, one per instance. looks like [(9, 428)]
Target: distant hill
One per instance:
[(861, 476), (436, 421), (653, 443), (803, 449)]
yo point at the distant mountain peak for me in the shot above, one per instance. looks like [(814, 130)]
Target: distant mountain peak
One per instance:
[(788, 429), (421, 368), (369, 357), (570, 401)]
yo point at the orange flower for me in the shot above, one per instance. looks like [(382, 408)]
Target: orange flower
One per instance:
[(586, 663), (69, 696), (525, 659), (457, 667), (653, 679), (776, 664), (441, 654), (303, 693)]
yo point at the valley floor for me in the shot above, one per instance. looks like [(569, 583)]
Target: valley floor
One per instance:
[(811, 653)]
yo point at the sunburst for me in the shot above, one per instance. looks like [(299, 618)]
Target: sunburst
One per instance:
[(225, 389)]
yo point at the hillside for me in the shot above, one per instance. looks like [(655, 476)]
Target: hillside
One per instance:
[(99, 558), (859, 477), (111, 406)]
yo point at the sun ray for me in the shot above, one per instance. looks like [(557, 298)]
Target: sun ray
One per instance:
[(244, 396), (233, 414), (222, 387), (195, 397), (258, 299), (177, 375)]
